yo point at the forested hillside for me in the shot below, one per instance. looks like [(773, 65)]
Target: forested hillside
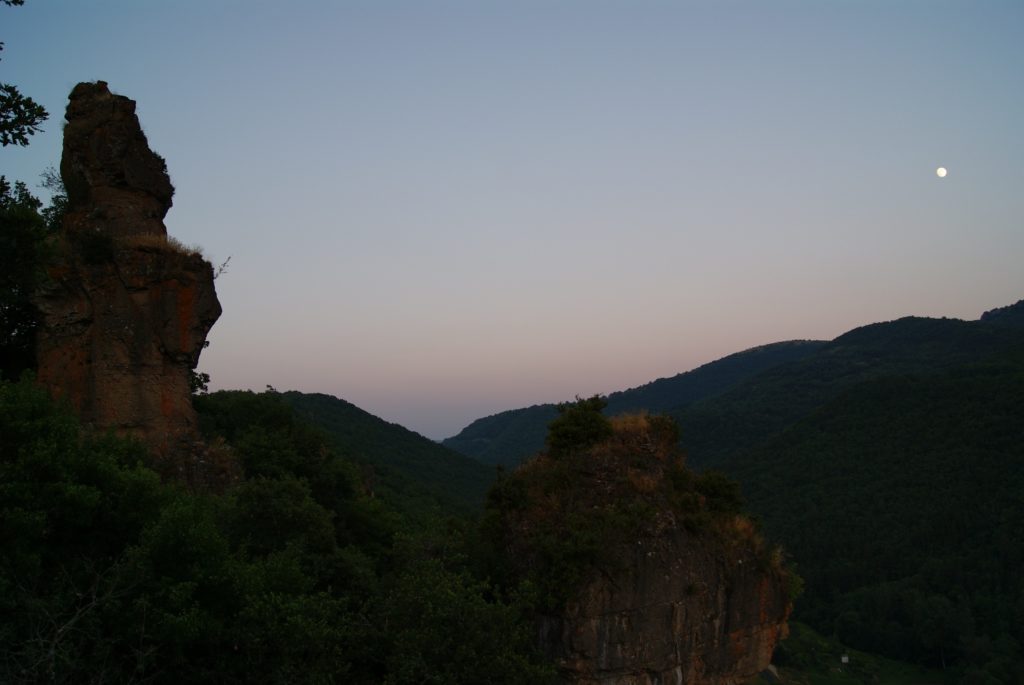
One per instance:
[(1012, 315), (511, 436), (763, 405), (890, 464), (395, 455), (902, 502), (296, 573)]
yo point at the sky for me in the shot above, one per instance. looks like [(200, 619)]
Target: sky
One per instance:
[(440, 210)]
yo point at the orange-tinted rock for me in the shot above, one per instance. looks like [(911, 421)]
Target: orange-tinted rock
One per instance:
[(125, 313), (674, 610), (643, 579)]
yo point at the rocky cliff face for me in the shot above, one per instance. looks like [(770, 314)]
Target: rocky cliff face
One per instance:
[(673, 611), (115, 183), (125, 311), (647, 572)]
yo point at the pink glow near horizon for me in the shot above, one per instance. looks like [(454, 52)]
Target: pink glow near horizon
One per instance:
[(442, 210)]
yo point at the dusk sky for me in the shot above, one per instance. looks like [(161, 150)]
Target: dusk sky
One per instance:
[(440, 210)]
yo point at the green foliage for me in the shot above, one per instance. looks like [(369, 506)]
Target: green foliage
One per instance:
[(109, 575), (414, 474), (888, 462), (272, 515), (720, 494), (24, 226), (558, 520), (198, 383), (1011, 315), (20, 116), (22, 249), (505, 439), (510, 437), (751, 412), (807, 658), (902, 502), (272, 442), (67, 509), (438, 626), (579, 425), (53, 215)]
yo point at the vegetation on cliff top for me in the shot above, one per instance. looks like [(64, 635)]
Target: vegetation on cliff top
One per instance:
[(889, 464), (601, 484)]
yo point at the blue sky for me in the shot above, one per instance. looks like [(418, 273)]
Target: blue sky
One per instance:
[(440, 210)]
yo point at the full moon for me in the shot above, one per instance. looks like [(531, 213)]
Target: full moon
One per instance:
[(941, 172)]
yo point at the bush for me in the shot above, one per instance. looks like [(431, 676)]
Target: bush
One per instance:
[(579, 425)]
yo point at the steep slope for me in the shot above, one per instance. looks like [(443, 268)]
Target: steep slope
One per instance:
[(509, 437), (902, 503), (398, 456), (643, 572), (297, 574), (1012, 315), (506, 438), (683, 389), (763, 405)]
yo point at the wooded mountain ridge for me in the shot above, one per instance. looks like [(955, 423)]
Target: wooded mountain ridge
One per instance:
[(889, 462), (727, 404)]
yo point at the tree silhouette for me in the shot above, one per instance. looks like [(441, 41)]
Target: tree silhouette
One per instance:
[(20, 116)]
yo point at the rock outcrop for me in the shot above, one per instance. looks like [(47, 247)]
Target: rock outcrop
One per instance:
[(647, 572), (1011, 315), (115, 183), (125, 310), (674, 610)]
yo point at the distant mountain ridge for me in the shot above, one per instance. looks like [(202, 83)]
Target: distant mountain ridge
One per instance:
[(1012, 315), (744, 398), (509, 437), (901, 500), (889, 462), (753, 411)]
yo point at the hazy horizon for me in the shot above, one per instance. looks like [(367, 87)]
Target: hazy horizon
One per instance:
[(439, 211)]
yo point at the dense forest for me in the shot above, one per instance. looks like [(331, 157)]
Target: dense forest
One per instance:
[(888, 462), (415, 470), (299, 571), (766, 403), (294, 574), (903, 503), (348, 551), (325, 562), (511, 436)]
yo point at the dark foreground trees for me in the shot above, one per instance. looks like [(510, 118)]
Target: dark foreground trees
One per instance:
[(22, 233), (293, 575)]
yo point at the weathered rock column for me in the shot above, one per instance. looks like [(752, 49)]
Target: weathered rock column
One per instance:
[(125, 311), (676, 612), (642, 578)]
